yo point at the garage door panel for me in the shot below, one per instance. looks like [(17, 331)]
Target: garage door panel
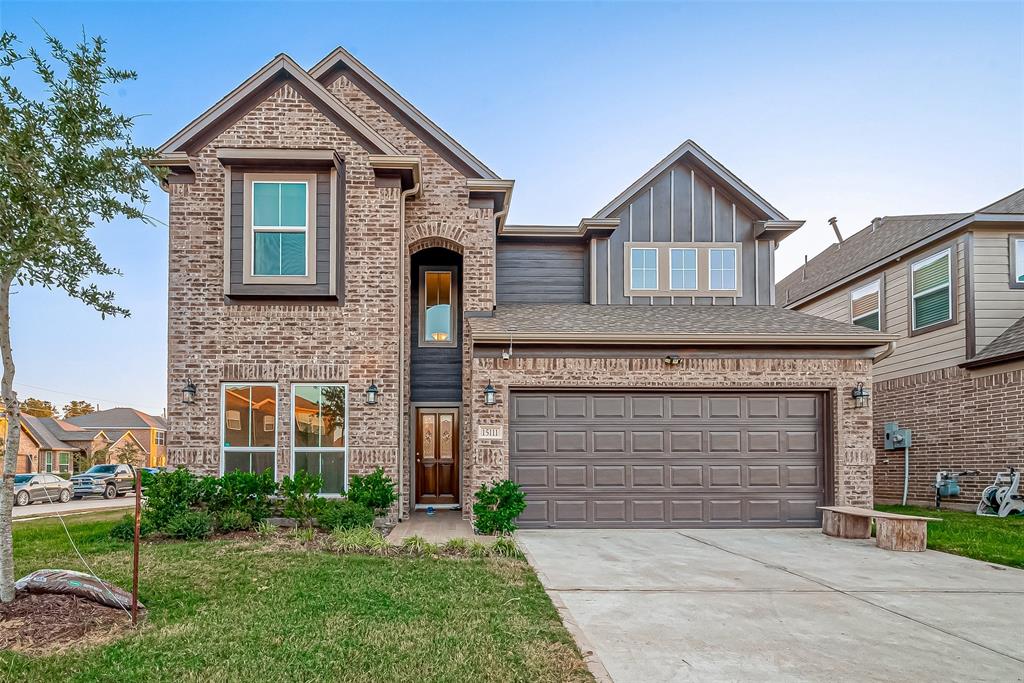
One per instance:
[(662, 460)]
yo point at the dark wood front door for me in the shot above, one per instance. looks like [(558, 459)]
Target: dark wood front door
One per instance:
[(437, 456)]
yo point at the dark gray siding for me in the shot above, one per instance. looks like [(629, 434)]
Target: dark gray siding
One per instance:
[(684, 205), (435, 372), (323, 242), (548, 272)]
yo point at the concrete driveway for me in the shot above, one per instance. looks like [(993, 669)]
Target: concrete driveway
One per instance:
[(727, 605), (72, 507)]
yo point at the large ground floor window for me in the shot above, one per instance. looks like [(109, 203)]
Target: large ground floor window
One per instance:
[(248, 427), (320, 433)]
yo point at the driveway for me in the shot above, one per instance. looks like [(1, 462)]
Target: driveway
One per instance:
[(37, 510), (724, 605)]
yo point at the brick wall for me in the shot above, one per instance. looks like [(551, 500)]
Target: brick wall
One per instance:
[(958, 420), (851, 448)]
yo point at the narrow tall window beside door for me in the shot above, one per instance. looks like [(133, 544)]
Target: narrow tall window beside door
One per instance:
[(437, 308)]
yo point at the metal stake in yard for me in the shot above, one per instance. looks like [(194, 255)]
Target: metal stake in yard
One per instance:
[(135, 552)]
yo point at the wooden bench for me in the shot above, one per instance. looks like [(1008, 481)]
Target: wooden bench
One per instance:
[(906, 533)]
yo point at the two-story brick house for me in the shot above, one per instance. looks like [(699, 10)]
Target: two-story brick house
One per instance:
[(345, 293), (951, 286)]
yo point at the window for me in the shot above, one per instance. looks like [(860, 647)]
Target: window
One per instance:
[(865, 306), (722, 269), (319, 433), (683, 266), (161, 438), (279, 237), (64, 461), (49, 461), (438, 307), (1017, 260), (246, 445), (932, 295), (644, 268)]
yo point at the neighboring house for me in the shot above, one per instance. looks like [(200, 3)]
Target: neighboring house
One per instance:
[(951, 286), (51, 445), (150, 431), (345, 294)]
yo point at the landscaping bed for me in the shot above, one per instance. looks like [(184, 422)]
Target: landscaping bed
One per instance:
[(51, 624), (991, 539)]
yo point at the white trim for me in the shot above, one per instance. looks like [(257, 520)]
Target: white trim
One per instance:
[(696, 269), (644, 268), (238, 449), (321, 450), (735, 269), (918, 265)]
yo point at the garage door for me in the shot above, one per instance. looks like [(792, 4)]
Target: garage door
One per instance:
[(609, 460)]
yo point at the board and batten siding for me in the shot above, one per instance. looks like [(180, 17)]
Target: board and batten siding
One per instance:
[(541, 272), (941, 348), (996, 304), (682, 204)]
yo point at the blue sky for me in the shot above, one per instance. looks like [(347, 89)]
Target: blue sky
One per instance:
[(846, 109)]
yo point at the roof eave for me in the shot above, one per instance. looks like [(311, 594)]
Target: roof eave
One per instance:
[(992, 360), (855, 340), (585, 229)]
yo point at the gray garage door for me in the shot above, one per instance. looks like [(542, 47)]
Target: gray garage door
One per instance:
[(668, 460)]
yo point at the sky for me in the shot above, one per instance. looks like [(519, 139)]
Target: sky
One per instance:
[(853, 110)]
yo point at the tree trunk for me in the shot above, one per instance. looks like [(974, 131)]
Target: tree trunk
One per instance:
[(10, 464)]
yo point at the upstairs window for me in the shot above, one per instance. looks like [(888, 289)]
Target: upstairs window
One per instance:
[(932, 300), (280, 229), (644, 269), (722, 269), (437, 307), (865, 306), (683, 265), (246, 412), (1017, 260), (161, 438)]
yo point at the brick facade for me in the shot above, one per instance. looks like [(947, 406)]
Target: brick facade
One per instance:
[(852, 457), (958, 420)]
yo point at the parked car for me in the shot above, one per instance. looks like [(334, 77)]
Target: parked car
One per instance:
[(104, 480), (48, 488)]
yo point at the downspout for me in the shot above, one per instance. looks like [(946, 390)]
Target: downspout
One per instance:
[(494, 280), (401, 346)]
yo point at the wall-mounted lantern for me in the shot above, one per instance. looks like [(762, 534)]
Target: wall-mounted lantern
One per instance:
[(489, 394), (861, 395), (371, 393), (188, 393)]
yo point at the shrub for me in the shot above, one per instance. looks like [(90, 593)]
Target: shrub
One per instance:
[(190, 525), (304, 535), (456, 545), (344, 514), (417, 545), (376, 491), (241, 491), (497, 507), (265, 529), (362, 539), (169, 494), (228, 521), (478, 550), (302, 501), (124, 528), (506, 547)]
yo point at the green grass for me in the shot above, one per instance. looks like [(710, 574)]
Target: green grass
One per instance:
[(253, 610), (992, 539)]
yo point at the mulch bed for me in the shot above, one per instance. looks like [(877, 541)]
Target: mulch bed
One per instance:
[(48, 624)]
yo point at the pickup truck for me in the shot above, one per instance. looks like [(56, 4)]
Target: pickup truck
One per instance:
[(104, 480)]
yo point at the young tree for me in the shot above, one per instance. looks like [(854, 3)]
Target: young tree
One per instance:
[(76, 408), (38, 407), (66, 160), (128, 454)]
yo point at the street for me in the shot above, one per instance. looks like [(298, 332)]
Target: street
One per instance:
[(73, 506)]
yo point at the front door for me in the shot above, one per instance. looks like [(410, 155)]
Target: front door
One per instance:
[(437, 456)]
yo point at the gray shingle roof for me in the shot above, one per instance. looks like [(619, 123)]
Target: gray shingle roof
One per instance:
[(1009, 344), (639, 324), (119, 418), (49, 432), (1013, 203)]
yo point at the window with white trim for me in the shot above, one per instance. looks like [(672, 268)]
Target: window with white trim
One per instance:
[(1018, 260), (320, 433), (932, 300), (49, 461), (643, 268), (64, 461), (865, 306), (683, 268), (246, 444), (161, 438), (722, 269), (279, 217)]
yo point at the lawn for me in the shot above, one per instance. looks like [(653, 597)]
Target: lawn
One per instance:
[(992, 539), (248, 610)]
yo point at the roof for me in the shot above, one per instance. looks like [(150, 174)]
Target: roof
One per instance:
[(119, 418), (883, 239), (48, 432), (1007, 346), (632, 324), (340, 57), (705, 161)]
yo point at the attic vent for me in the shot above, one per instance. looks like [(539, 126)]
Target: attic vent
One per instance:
[(875, 222), (835, 226), (803, 271)]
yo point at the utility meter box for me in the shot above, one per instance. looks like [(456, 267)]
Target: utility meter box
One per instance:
[(895, 437)]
